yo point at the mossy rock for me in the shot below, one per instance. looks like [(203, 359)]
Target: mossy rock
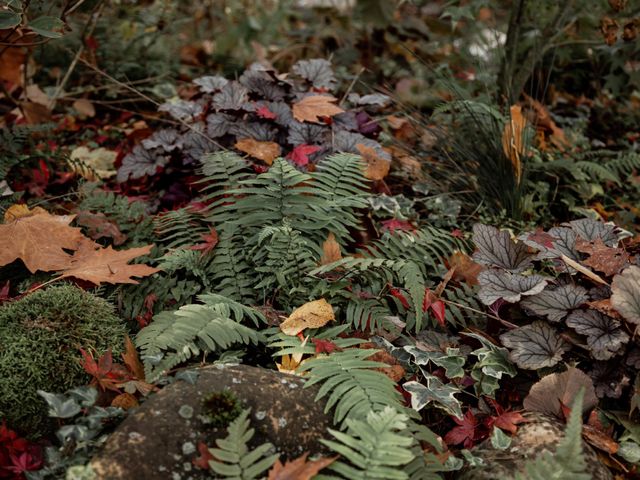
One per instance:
[(41, 335)]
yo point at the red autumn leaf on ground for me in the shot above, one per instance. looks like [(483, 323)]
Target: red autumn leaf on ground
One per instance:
[(465, 432), (24, 462), (202, 460), (324, 346), (210, 241), (264, 112), (394, 224), (105, 373), (300, 468), (542, 238), (504, 419), (398, 294), (300, 154), (438, 310)]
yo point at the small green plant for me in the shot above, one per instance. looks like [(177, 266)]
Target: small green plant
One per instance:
[(41, 336), (219, 409)]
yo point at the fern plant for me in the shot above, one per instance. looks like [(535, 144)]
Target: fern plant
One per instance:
[(233, 460), (374, 447), (174, 337)]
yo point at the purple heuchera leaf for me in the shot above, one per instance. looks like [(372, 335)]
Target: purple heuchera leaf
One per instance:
[(211, 84), (168, 139), (182, 109), (317, 71), (605, 338), (233, 96), (534, 346), (219, 124), (366, 125), (139, 163), (496, 249), (625, 296), (589, 229), (556, 303), (499, 284)]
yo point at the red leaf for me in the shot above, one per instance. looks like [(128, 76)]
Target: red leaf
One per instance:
[(210, 241), (465, 432), (264, 112), (105, 373), (398, 294), (395, 224), (324, 346), (300, 154), (438, 310), (202, 461)]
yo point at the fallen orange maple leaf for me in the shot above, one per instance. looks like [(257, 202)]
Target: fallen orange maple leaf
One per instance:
[(299, 469)]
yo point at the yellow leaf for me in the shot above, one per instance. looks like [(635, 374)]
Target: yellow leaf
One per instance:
[(21, 210), (291, 362), (513, 139), (377, 167), (310, 315), (311, 108), (265, 151), (330, 250)]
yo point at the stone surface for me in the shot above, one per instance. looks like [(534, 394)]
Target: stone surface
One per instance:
[(159, 439), (540, 433)]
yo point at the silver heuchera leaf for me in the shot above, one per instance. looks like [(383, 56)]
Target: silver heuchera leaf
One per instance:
[(168, 139), (625, 296), (232, 97), (510, 287), (317, 71), (348, 142), (139, 163), (534, 346), (255, 130), (563, 242), (496, 249), (556, 303), (436, 392), (307, 133), (211, 84), (182, 109), (262, 83), (589, 229), (604, 335), (219, 124)]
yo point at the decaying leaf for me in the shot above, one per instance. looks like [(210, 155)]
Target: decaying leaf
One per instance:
[(534, 346), (497, 249), (377, 167), (310, 315), (106, 265), (38, 239), (557, 390), (131, 359), (465, 269), (510, 287), (99, 226), (584, 270), (605, 259), (513, 143), (125, 401), (265, 151), (555, 304), (314, 107), (625, 295), (300, 468), (93, 164), (330, 250), (609, 29)]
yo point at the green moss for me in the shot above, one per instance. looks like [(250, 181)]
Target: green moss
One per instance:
[(40, 335), (219, 409)]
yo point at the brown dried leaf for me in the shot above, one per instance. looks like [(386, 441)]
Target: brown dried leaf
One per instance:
[(513, 139), (465, 268), (84, 107), (557, 390), (377, 167), (299, 469), (582, 269), (312, 108), (599, 439), (609, 29), (310, 315), (131, 359), (124, 401), (618, 5), (330, 250), (265, 151), (106, 265), (605, 259), (605, 307), (38, 239), (99, 226)]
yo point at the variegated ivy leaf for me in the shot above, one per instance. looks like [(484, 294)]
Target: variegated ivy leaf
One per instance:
[(534, 346), (436, 392), (589, 229), (182, 109), (139, 163), (496, 249), (499, 439), (604, 335), (555, 304), (493, 362), (232, 96), (625, 296), (211, 83), (510, 287), (167, 139), (317, 71), (451, 361)]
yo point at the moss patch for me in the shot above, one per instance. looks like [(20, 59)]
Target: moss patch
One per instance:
[(40, 337)]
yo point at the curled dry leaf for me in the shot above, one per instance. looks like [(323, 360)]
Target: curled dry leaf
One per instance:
[(557, 390), (465, 268), (310, 315), (265, 151), (513, 143), (377, 167), (330, 250), (605, 259), (314, 107)]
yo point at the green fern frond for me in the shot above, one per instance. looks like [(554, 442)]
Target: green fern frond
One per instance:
[(180, 227), (373, 447), (231, 272), (174, 337), (292, 345), (458, 297), (233, 460), (351, 384)]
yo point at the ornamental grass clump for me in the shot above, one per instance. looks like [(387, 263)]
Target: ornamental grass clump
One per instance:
[(41, 336)]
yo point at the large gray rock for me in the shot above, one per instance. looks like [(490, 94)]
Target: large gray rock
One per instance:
[(158, 439)]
